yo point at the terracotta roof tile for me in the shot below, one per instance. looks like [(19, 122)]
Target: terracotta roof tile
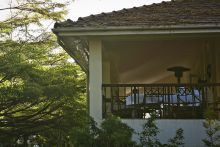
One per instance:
[(175, 12)]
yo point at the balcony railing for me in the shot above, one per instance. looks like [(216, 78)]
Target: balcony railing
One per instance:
[(177, 101)]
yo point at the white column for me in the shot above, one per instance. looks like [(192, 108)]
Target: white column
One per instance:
[(95, 77)]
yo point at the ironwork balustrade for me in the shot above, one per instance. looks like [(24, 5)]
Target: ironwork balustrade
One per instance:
[(177, 101)]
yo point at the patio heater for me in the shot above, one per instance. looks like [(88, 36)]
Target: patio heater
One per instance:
[(178, 72)]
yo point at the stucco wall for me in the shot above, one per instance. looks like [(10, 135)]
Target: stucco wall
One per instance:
[(193, 130)]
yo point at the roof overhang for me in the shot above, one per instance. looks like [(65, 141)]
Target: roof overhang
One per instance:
[(67, 35), (137, 30)]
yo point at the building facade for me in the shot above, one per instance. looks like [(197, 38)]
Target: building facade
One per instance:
[(162, 58)]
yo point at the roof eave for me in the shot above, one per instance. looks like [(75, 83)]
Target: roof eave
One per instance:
[(135, 30)]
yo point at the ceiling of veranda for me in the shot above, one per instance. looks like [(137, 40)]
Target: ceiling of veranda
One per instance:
[(146, 61)]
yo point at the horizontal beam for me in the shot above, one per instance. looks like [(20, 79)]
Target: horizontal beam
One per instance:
[(161, 85), (135, 30)]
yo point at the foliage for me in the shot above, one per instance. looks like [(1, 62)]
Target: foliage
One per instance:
[(115, 133), (35, 98), (212, 126), (26, 13), (86, 134), (111, 133), (148, 137), (42, 95), (177, 140)]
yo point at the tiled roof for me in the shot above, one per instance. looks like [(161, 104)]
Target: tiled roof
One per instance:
[(175, 12)]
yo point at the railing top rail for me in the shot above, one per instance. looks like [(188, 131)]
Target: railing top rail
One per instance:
[(162, 85)]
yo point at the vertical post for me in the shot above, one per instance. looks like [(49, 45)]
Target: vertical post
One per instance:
[(217, 63), (95, 79), (106, 79), (217, 69), (87, 92)]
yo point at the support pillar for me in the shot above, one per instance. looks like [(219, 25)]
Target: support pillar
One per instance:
[(95, 79)]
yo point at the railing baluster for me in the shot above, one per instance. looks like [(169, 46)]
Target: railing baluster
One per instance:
[(167, 100), (112, 97)]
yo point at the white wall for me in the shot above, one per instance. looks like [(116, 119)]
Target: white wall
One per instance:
[(193, 129)]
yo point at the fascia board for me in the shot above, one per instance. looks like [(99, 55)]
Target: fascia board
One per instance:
[(177, 29)]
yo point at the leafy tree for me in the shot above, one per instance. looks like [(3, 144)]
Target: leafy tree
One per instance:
[(86, 134), (177, 140), (26, 13), (35, 97), (42, 96), (114, 133), (212, 126), (212, 130), (111, 133), (148, 137)]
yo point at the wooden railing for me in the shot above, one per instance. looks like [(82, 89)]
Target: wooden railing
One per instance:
[(178, 101)]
